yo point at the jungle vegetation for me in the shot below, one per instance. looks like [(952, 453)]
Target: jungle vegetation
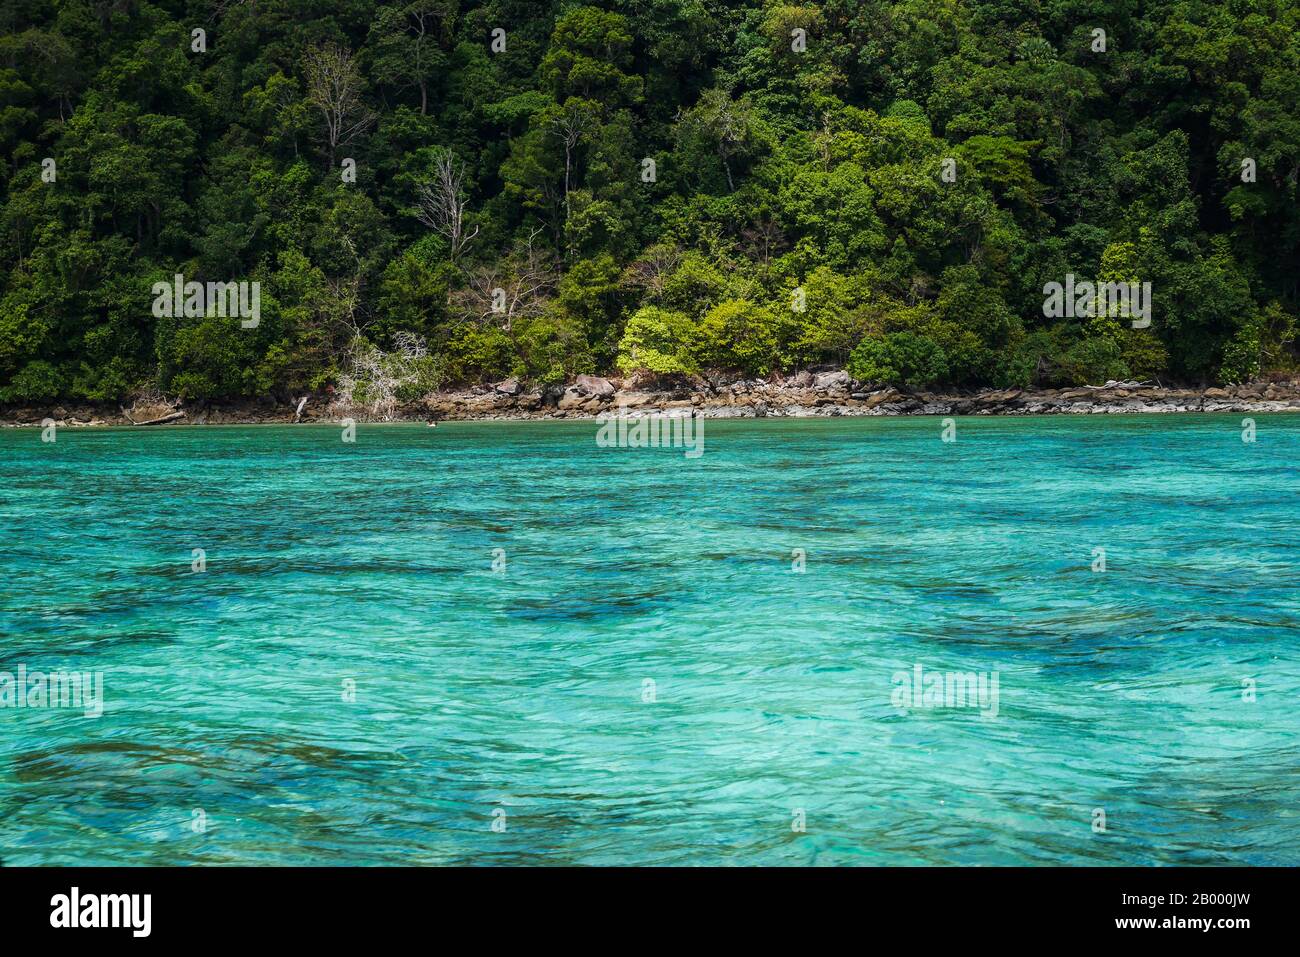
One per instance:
[(540, 189)]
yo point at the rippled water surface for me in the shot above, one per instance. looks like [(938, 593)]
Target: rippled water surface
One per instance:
[(520, 697)]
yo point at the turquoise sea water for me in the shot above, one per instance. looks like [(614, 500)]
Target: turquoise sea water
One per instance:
[(521, 696)]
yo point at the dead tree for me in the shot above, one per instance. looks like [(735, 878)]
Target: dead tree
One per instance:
[(515, 288), (568, 127), (334, 88), (442, 203)]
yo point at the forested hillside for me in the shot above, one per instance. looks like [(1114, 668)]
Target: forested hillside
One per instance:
[(465, 191)]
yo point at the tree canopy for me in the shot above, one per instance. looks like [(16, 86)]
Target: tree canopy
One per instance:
[(542, 189)]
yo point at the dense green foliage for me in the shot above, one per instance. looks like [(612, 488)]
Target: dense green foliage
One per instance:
[(797, 213)]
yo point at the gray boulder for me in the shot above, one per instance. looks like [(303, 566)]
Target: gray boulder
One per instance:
[(595, 385), (832, 380)]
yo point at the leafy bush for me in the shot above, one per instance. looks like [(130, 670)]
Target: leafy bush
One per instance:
[(899, 358), (659, 341), (37, 381)]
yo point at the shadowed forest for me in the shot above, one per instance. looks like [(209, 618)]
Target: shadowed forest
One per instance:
[(448, 192)]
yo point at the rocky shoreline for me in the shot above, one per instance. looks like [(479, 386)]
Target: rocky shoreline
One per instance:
[(831, 393)]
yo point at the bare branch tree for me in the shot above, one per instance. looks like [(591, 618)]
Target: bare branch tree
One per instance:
[(762, 238), (518, 287), (441, 206), (568, 127), (426, 16), (728, 124), (406, 43), (334, 88), (344, 294), (375, 382), (652, 268)]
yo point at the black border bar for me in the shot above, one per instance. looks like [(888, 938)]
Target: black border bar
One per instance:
[(933, 907)]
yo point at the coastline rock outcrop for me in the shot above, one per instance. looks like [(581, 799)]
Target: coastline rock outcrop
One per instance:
[(825, 393)]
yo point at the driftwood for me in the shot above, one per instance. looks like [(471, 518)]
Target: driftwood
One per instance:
[(297, 416), (171, 417)]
